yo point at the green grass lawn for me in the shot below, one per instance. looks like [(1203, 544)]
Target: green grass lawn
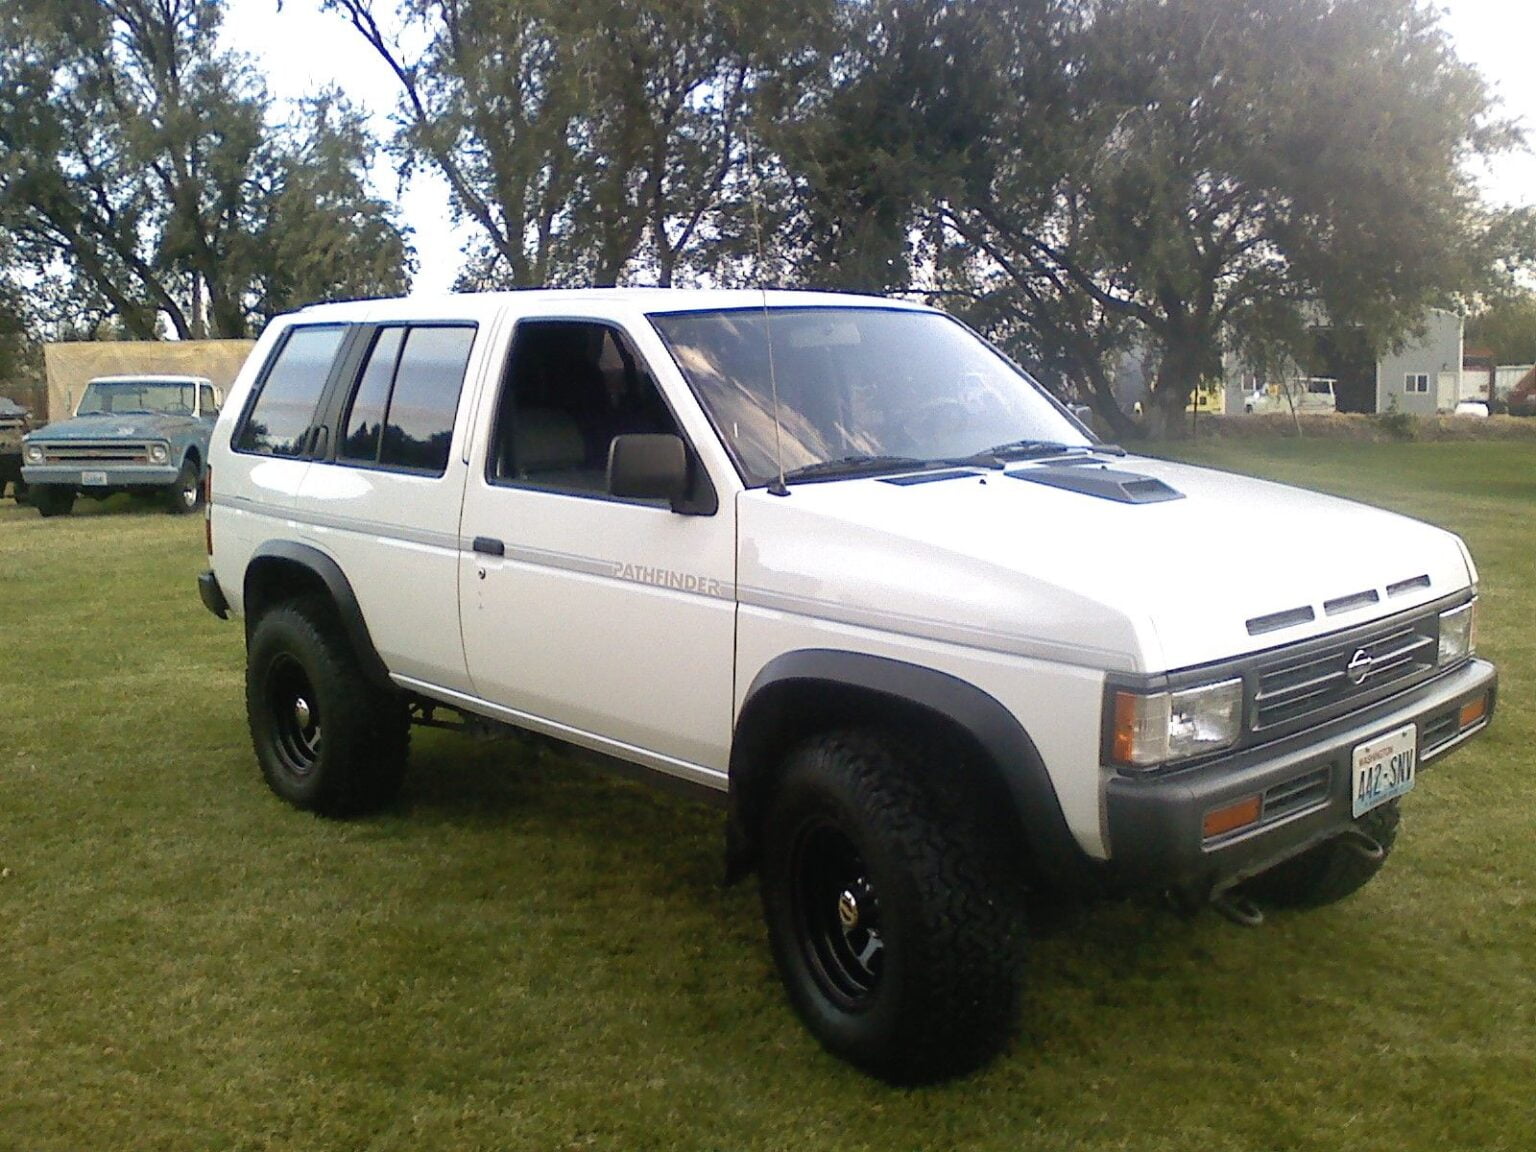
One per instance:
[(524, 954)]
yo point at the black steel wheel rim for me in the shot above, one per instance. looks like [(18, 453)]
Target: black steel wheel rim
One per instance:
[(295, 715), (837, 915)]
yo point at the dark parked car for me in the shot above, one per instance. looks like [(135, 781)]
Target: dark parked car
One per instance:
[(15, 422)]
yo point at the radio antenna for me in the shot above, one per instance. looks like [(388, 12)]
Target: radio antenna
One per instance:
[(778, 487)]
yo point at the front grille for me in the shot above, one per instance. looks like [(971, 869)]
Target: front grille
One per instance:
[(1293, 686), (108, 453)]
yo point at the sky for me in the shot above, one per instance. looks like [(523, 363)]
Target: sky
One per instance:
[(300, 50)]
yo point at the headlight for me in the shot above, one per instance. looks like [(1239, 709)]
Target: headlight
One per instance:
[(1458, 633), (159, 453), (34, 453), (1155, 728)]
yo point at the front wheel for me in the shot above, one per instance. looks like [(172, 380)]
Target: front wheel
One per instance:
[(1334, 869), (327, 740), (186, 495), (52, 499), (897, 949)]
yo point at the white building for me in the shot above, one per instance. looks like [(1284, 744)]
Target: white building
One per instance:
[(1424, 376)]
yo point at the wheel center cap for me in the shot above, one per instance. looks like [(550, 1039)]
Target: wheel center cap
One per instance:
[(301, 712), (848, 910)]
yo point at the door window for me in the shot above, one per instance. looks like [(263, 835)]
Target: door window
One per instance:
[(571, 387), (402, 412)]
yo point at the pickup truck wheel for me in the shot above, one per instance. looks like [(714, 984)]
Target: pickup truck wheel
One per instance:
[(186, 495), (1333, 870), (893, 943), (52, 499), (327, 740)]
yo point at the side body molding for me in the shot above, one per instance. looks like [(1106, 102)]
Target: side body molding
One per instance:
[(803, 691), (271, 570)]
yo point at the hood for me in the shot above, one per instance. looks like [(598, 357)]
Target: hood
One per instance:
[(1111, 571), (119, 426)]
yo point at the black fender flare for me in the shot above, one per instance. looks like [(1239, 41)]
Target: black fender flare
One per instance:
[(1012, 760), (348, 611)]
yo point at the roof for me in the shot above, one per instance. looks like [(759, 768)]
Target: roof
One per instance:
[(150, 378), (652, 300)]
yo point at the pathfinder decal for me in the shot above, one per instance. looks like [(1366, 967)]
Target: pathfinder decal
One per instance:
[(668, 578)]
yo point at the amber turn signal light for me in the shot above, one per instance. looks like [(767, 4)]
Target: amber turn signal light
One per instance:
[(1220, 821), (1473, 711)]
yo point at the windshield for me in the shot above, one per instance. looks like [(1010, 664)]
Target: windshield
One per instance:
[(106, 397), (856, 386)]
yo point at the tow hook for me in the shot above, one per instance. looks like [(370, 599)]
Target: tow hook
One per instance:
[(1365, 846), (1238, 909)]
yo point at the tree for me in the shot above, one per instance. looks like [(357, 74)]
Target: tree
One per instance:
[(134, 154), (1207, 176), (1507, 328), (587, 140)]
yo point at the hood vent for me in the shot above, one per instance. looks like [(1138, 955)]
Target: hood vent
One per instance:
[(926, 477), (1345, 603), (1407, 585), (1104, 482), (1278, 620)]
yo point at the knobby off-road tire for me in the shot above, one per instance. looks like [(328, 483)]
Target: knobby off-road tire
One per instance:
[(186, 495), (898, 947), (328, 741), (52, 499), (1331, 871)]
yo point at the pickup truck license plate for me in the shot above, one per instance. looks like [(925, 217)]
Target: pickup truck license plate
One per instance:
[(1384, 768), (93, 479)]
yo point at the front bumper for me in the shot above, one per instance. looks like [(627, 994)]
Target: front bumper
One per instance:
[(75, 476), (1156, 823)]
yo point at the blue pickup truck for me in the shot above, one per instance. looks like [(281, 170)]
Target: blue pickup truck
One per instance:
[(129, 434)]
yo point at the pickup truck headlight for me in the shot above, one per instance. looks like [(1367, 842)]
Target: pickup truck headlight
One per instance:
[(1458, 633), (1154, 728), (159, 453), (34, 453)]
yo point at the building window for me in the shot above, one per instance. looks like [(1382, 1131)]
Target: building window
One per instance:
[(1416, 382)]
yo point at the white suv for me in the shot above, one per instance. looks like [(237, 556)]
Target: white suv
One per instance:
[(837, 562)]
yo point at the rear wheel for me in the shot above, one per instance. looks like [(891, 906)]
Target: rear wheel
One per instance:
[(1333, 870), (327, 740), (897, 947), (52, 499)]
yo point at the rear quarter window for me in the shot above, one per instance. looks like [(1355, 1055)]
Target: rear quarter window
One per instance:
[(279, 417)]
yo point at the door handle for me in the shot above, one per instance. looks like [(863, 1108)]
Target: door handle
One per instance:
[(489, 546)]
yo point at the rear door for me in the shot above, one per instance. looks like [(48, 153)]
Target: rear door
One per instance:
[(382, 496)]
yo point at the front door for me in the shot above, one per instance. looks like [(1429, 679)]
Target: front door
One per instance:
[(603, 621)]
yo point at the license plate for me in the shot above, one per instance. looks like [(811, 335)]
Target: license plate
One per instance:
[(93, 479), (1384, 768)]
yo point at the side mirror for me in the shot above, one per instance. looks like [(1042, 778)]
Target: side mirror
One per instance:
[(648, 466)]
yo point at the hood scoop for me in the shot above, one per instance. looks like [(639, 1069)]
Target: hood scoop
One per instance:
[(1104, 482)]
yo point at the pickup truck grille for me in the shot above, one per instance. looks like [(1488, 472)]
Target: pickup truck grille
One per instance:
[(1293, 686), (107, 453)]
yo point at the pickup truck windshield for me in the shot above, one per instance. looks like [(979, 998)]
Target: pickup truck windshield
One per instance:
[(107, 397), (862, 387)]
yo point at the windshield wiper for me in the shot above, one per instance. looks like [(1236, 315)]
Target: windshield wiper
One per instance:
[(1035, 449), (854, 466)]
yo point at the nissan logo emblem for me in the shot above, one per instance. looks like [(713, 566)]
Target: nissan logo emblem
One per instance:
[(1359, 667)]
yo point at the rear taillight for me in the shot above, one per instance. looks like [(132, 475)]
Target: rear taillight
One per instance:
[(208, 510)]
